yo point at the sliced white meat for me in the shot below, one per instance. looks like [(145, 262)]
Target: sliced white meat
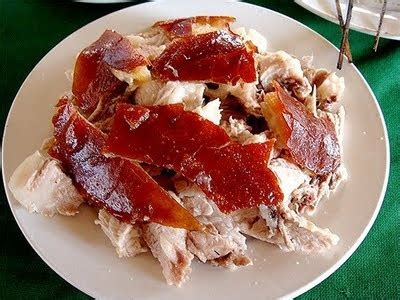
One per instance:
[(302, 235), (190, 94), (239, 131), (150, 43), (285, 228), (223, 245), (41, 186), (210, 111), (289, 176), (126, 238), (254, 37), (310, 102), (193, 198), (246, 93), (220, 91), (331, 89), (281, 225), (308, 195), (329, 86), (284, 68), (168, 245), (134, 79), (147, 94), (251, 223), (162, 93), (314, 75), (256, 138)]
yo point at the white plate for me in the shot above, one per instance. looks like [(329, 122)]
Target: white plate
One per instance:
[(103, 1), (78, 250), (364, 19)]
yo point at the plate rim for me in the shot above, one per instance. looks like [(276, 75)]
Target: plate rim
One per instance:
[(352, 25), (308, 286)]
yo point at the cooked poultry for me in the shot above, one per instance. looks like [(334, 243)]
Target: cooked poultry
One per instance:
[(187, 138)]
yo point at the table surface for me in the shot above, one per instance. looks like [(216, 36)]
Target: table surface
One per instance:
[(29, 29)]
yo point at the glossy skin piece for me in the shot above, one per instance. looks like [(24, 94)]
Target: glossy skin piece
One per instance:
[(218, 56), (233, 175), (311, 141), (161, 135), (120, 186), (93, 80), (184, 27)]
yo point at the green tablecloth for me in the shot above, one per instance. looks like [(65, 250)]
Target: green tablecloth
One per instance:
[(29, 29)]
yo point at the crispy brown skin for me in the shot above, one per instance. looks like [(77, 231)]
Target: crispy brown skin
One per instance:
[(183, 27), (93, 80), (311, 141), (219, 57), (118, 185), (233, 175)]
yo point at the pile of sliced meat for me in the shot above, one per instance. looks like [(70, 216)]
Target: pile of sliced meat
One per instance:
[(188, 139)]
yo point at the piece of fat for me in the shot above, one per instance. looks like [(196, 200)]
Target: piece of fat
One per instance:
[(135, 78), (289, 176), (126, 238), (210, 111), (40, 185), (156, 92)]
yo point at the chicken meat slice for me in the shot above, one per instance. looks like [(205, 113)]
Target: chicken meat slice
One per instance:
[(168, 245), (126, 238), (40, 185), (156, 92), (331, 89), (289, 176), (135, 78), (150, 43), (280, 225), (246, 93), (239, 132), (302, 235), (210, 111), (306, 197), (284, 68), (328, 86), (223, 244), (285, 228), (310, 102)]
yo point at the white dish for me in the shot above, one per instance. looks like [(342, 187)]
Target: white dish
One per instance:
[(78, 250), (364, 19), (103, 1)]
